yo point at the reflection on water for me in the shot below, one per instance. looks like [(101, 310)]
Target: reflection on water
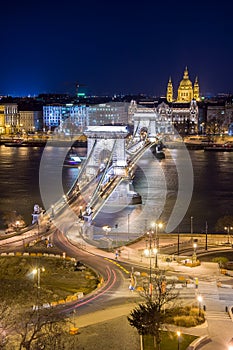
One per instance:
[(19, 174), (212, 195)]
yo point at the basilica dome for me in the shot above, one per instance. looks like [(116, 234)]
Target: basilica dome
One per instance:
[(186, 90), (185, 83)]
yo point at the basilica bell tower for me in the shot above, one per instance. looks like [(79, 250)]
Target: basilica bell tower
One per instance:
[(196, 92), (170, 91)]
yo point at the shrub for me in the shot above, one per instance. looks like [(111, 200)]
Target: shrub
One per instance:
[(185, 316), (221, 260), (185, 321)]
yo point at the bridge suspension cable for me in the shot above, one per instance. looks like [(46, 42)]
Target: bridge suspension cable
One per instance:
[(104, 173)]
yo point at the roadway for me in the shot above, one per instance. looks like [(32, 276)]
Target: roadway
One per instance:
[(112, 289), (215, 299), (114, 292)]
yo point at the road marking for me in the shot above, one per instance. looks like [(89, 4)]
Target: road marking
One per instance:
[(117, 264)]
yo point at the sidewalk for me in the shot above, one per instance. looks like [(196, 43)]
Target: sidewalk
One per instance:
[(205, 272)]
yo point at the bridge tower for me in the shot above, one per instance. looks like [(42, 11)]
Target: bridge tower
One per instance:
[(107, 160), (106, 145), (151, 123), (145, 123)]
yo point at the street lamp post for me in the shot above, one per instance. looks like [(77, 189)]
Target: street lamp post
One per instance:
[(194, 252), (107, 230), (191, 225), (128, 225), (157, 227), (199, 298), (178, 339), (38, 228), (149, 252), (37, 272), (155, 250), (206, 236), (178, 241), (52, 211), (17, 223), (228, 229)]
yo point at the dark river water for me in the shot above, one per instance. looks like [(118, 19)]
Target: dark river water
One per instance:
[(212, 195)]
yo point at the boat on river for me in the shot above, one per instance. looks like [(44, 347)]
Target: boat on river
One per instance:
[(24, 143), (220, 147), (72, 159)]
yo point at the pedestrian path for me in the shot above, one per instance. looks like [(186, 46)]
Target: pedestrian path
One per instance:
[(218, 316), (209, 291)]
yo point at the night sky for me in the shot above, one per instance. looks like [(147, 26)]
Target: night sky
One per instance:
[(114, 47)]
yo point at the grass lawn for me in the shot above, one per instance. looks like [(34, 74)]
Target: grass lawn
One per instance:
[(58, 279), (169, 341)]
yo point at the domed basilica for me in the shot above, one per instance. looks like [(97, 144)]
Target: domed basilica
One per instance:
[(186, 90), (181, 113)]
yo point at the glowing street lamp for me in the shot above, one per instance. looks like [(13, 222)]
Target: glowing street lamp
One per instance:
[(194, 248), (155, 251), (194, 258), (228, 229), (17, 223), (37, 272), (157, 226), (199, 299), (149, 252), (178, 333), (52, 211)]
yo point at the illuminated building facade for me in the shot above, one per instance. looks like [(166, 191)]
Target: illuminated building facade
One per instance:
[(29, 120), (183, 116), (68, 116), (184, 108), (113, 113), (186, 90), (9, 118)]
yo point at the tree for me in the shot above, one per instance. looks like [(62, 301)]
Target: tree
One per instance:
[(13, 221), (40, 329), (34, 329), (6, 323), (149, 317), (223, 223)]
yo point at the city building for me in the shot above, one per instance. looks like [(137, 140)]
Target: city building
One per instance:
[(30, 121), (182, 111), (184, 116), (9, 118), (68, 117), (113, 113), (219, 116), (186, 91)]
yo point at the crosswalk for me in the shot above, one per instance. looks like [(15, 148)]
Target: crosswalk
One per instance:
[(209, 290), (217, 316)]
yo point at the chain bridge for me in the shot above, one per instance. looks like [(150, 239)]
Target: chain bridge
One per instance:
[(106, 176), (109, 168)]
